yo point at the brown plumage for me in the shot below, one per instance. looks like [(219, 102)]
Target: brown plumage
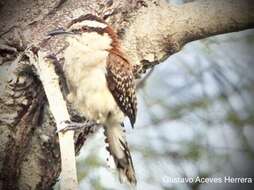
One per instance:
[(121, 84)]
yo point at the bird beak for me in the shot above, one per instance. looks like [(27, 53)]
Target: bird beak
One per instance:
[(58, 31)]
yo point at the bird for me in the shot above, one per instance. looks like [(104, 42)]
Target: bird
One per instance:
[(101, 84)]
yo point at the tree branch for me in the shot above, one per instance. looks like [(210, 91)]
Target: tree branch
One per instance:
[(46, 71), (207, 18), (160, 30)]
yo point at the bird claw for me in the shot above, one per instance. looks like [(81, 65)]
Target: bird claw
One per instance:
[(70, 125)]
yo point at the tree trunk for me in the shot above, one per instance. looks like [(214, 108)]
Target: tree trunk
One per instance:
[(150, 32)]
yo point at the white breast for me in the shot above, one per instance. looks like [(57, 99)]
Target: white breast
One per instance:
[(85, 68)]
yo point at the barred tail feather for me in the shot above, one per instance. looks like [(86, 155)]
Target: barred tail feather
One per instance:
[(118, 148)]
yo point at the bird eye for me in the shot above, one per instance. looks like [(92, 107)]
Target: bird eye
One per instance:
[(84, 28)]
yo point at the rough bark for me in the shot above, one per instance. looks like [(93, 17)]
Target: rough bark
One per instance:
[(150, 32)]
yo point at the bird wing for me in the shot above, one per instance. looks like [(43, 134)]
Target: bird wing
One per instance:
[(120, 82)]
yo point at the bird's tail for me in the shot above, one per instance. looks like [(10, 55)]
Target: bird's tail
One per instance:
[(118, 148)]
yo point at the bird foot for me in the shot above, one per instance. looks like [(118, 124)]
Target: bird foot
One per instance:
[(70, 125)]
